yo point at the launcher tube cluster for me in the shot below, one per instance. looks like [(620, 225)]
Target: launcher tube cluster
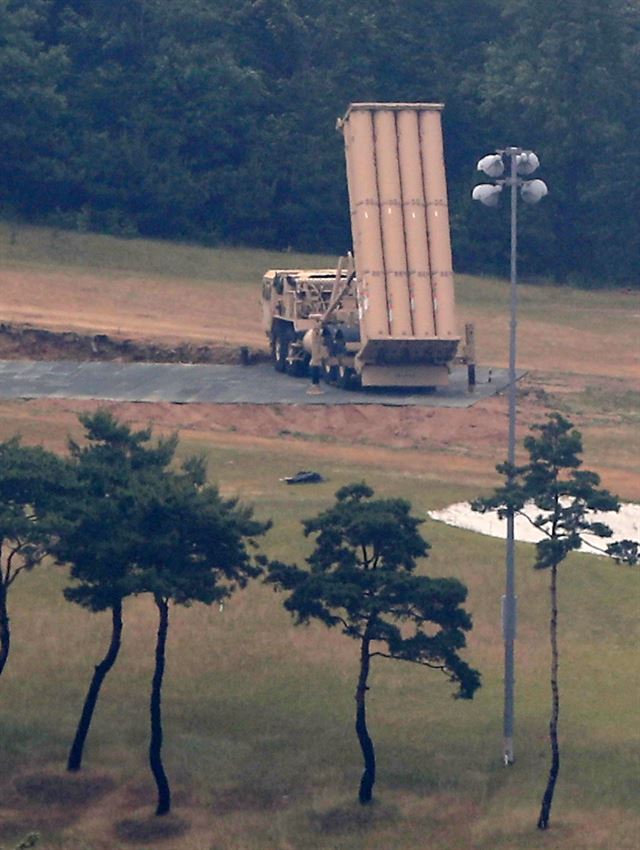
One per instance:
[(400, 220), (390, 321)]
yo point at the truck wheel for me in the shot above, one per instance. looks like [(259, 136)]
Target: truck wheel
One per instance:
[(329, 373), (279, 349), (345, 377), (300, 367)]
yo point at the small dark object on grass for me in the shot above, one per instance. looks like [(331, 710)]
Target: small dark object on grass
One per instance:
[(305, 476)]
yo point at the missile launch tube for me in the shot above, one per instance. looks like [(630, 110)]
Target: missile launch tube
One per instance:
[(355, 227), (365, 208), (415, 223), (392, 224), (438, 223)]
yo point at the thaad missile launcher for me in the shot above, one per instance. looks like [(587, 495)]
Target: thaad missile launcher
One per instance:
[(386, 316)]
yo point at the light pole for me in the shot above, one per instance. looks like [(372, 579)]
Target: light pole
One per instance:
[(520, 162)]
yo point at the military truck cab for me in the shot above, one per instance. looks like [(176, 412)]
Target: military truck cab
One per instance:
[(294, 303)]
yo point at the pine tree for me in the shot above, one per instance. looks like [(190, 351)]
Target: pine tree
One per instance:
[(361, 577), (193, 548), (34, 484), (101, 539), (564, 497)]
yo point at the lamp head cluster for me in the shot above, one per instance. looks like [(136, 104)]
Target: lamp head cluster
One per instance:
[(522, 163)]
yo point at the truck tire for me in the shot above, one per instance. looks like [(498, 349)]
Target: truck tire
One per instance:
[(329, 373), (280, 338), (299, 368), (346, 377)]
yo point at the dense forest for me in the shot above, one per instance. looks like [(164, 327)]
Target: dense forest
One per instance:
[(213, 120)]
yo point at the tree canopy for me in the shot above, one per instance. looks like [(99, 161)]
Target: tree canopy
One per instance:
[(113, 467), (34, 484), (362, 578), (214, 121)]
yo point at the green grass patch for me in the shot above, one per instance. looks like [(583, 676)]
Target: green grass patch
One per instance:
[(259, 714), (563, 304), (33, 247), (603, 402), (43, 247)]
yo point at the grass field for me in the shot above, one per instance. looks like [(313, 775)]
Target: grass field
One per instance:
[(39, 247), (259, 743)]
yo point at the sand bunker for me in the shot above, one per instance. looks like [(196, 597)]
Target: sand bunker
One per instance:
[(625, 524)]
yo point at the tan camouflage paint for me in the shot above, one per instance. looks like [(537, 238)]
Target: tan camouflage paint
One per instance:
[(392, 223), (365, 212), (400, 220), (438, 222), (415, 223)]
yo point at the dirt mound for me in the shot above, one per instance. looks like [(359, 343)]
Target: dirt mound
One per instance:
[(25, 341), (459, 432)]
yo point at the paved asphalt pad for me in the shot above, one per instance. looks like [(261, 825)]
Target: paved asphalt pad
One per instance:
[(184, 383)]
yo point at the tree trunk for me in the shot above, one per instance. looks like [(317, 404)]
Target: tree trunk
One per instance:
[(74, 761), (155, 745), (366, 744), (547, 800), (5, 632)]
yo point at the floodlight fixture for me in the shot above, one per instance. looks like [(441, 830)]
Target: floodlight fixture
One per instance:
[(492, 165), (487, 193), (527, 162), (532, 191)]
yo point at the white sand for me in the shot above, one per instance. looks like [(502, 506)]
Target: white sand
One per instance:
[(625, 524)]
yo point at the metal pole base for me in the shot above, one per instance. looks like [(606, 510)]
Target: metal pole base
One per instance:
[(471, 377), (508, 757)]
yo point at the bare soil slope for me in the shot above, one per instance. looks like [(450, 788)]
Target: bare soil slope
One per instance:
[(581, 368), (163, 310)]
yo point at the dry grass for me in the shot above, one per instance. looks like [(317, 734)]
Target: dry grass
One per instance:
[(148, 828)]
